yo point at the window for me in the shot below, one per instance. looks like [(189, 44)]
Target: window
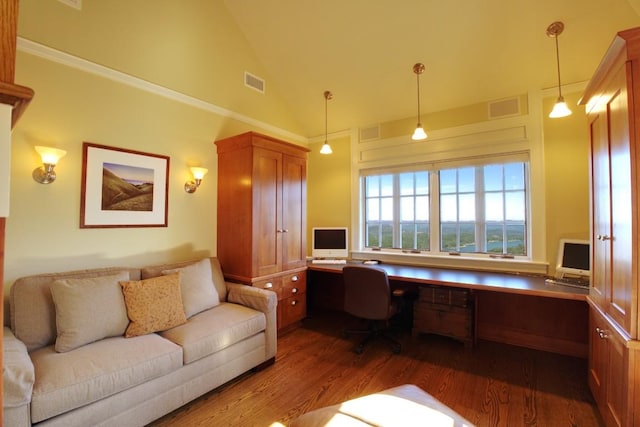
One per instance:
[(468, 209)]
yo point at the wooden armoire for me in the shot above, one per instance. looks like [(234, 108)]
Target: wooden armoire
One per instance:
[(612, 101), (262, 199)]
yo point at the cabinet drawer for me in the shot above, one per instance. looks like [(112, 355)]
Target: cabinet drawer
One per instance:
[(291, 310), (455, 322), (442, 295), (294, 284), (274, 284)]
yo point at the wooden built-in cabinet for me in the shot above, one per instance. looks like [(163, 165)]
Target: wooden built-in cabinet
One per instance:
[(262, 218), (612, 100)]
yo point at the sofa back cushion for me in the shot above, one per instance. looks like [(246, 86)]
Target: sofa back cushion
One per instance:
[(216, 274), (196, 287), (88, 310), (32, 312)]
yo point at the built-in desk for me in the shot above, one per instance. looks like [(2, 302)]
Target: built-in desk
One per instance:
[(510, 308)]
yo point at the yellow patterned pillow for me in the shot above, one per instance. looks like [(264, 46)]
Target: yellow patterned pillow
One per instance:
[(153, 305)]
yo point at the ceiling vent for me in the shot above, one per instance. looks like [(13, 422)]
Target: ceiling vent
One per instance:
[(254, 82), (370, 133), (76, 4), (504, 108)]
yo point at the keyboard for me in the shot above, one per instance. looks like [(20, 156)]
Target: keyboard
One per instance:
[(566, 281), (328, 261)]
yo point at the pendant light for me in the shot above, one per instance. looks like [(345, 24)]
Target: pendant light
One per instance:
[(560, 109), (418, 134), (326, 148)]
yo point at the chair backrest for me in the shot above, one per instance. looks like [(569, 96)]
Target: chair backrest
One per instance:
[(366, 292)]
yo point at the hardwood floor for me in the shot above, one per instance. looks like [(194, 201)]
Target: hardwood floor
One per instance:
[(491, 385)]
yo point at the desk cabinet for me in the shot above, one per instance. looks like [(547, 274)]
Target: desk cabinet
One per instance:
[(612, 100), (445, 311), (262, 217)]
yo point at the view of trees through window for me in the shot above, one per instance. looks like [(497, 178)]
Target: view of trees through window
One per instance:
[(481, 209)]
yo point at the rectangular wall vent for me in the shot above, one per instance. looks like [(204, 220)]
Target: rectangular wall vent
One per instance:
[(254, 82), (76, 4), (370, 133), (504, 108)]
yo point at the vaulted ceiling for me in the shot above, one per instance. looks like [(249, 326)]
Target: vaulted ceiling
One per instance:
[(474, 51)]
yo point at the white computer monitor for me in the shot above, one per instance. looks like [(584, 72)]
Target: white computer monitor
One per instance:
[(573, 258), (330, 242)]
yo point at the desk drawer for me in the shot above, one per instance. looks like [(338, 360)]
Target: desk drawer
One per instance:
[(455, 322), (443, 295)]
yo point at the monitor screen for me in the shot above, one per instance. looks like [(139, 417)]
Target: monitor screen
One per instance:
[(573, 258), (330, 242)]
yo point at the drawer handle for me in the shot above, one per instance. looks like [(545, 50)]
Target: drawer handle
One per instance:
[(602, 333), (268, 285), (294, 290), (294, 279)]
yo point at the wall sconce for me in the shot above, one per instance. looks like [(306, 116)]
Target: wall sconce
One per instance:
[(198, 174), (326, 148), (45, 174), (419, 133), (560, 109)]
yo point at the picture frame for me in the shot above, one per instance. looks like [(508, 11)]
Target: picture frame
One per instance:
[(123, 188)]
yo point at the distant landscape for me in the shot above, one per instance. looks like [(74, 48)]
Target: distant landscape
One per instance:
[(118, 194)]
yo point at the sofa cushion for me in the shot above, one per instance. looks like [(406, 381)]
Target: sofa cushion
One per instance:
[(215, 329), (65, 381), (88, 310), (196, 287), (33, 315), (153, 304), (216, 273)]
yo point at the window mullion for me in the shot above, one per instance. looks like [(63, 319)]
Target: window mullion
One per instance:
[(481, 221)]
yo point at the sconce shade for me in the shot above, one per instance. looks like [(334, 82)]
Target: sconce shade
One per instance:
[(418, 134), (45, 174), (560, 109), (50, 156), (326, 148), (198, 173)]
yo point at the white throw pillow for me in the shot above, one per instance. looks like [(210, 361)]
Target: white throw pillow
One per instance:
[(88, 310), (196, 286)]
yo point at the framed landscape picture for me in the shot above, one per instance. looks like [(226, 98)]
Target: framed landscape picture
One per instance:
[(123, 188)]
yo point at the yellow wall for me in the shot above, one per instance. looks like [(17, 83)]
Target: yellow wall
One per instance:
[(329, 186), (566, 157)]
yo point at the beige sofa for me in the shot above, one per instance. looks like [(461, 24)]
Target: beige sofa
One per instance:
[(68, 360)]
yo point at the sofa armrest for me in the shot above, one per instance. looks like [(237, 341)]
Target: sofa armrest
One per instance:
[(18, 373), (261, 300)]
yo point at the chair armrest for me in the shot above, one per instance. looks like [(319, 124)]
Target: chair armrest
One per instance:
[(261, 300), (18, 374)]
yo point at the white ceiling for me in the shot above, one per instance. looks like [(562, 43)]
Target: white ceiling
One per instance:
[(474, 51)]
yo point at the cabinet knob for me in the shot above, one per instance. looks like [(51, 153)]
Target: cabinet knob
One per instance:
[(603, 237), (285, 230), (601, 333), (268, 285), (294, 302), (294, 290), (294, 279)]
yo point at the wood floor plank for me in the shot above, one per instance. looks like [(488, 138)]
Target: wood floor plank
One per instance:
[(491, 385)]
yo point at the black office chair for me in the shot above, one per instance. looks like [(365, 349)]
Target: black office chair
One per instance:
[(367, 295)]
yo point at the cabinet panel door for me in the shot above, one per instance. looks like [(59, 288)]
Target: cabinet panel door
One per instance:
[(294, 202), (619, 297), (597, 357), (616, 394), (601, 205), (267, 211)]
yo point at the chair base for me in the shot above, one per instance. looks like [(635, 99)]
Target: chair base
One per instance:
[(371, 333)]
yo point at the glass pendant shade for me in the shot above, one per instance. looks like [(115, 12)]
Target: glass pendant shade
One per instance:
[(560, 109), (419, 133)]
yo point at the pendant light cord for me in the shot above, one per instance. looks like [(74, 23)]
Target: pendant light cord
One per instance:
[(558, 63)]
